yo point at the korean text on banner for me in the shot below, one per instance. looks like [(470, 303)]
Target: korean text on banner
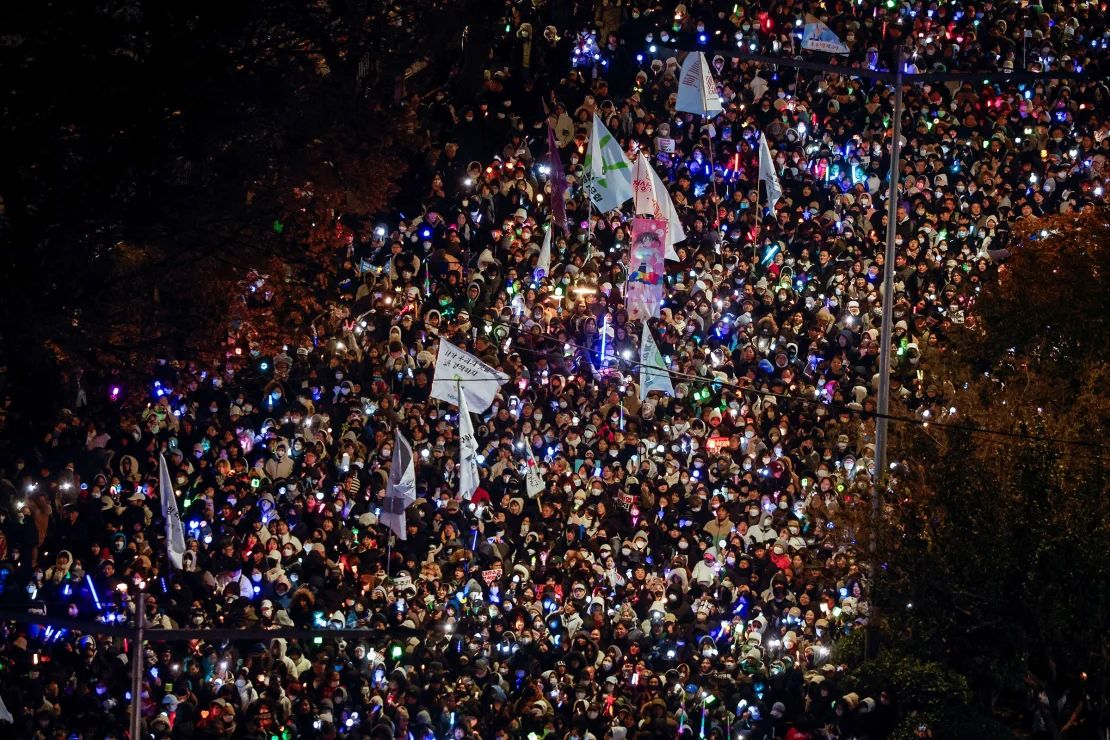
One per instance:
[(479, 381)]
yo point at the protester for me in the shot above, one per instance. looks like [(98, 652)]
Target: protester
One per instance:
[(692, 559)]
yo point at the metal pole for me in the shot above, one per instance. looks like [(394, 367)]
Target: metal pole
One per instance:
[(709, 137), (888, 277), (388, 553), (881, 427), (137, 669)]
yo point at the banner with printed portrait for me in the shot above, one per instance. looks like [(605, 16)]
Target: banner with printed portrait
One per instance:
[(646, 269)]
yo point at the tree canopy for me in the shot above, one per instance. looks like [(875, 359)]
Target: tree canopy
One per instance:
[(995, 561), (158, 153)]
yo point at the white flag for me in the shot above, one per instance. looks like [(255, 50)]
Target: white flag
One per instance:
[(543, 264), (651, 198), (816, 36), (400, 487), (175, 535), (468, 452), (480, 382), (533, 478), (654, 375), (608, 173), (697, 92), (767, 174)]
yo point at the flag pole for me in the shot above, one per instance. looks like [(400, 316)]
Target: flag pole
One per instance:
[(880, 471), (589, 226), (755, 242), (388, 553), (709, 136)]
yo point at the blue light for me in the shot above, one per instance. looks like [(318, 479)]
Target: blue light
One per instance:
[(652, 48), (702, 38)]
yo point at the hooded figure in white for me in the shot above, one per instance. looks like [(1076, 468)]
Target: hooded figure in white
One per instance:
[(764, 531)]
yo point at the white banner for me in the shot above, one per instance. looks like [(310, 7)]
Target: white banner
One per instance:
[(400, 487), (543, 264), (816, 36), (608, 173), (654, 375), (468, 452), (767, 174), (175, 535), (533, 478), (480, 382), (651, 198), (697, 91)]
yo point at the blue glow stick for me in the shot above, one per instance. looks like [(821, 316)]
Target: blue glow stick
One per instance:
[(604, 337), (92, 588)]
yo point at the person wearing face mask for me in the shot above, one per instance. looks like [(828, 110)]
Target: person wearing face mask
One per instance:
[(765, 530), (279, 465)]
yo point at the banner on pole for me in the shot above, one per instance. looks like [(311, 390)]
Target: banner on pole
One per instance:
[(480, 382), (652, 199), (816, 36), (767, 174), (654, 375), (175, 535), (468, 452), (608, 173), (697, 90), (400, 486), (533, 479), (646, 268), (543, 264), (558, 181)]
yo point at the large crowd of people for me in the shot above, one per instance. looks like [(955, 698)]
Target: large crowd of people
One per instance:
[(691, 564)]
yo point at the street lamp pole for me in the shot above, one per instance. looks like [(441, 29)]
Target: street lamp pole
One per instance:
[(137, 668), (888, 276), (882, 423)]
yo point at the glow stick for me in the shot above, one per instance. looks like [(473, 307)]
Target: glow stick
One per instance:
[(92, 588)]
